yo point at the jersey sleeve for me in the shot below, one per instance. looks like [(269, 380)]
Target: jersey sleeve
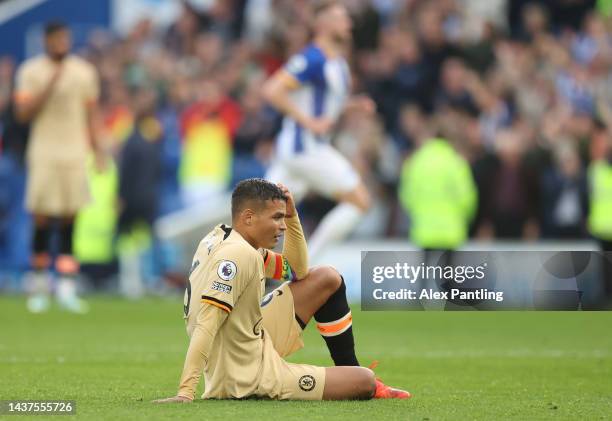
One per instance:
[(306, 66), (208, 323), (230, 273), (295, 248)]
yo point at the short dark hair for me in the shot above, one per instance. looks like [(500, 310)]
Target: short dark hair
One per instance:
[(321, 6), (55, 26), (254, 190)]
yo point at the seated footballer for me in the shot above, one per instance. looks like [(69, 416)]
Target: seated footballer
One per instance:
[(239, 340)]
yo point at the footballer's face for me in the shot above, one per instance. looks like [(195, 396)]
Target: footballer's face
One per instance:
[(338, 23), (58, 44), (268, 224)]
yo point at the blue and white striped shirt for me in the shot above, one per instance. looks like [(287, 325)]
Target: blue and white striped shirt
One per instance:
[(324, 89)]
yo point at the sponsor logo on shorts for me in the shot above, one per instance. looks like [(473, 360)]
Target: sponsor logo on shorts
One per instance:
[(218, 286), (307, 383), (227, 270)]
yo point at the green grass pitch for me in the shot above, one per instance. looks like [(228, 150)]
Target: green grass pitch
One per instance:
[(458, 365)]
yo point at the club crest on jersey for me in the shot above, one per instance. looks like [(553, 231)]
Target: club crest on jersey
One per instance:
[(297, 64), (227, 270), (307, 383)]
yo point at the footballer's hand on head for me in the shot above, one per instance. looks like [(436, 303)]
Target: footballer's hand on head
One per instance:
[(174, 399), (291, 211)]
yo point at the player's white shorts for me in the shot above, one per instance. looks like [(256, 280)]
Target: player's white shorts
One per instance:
[(322, 170)]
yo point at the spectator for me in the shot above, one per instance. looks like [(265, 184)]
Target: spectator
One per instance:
[(510, 205), (140, 165), (600, 215), (564, 195), (15, 223), (254, 137), (453, 91), (438, 192)]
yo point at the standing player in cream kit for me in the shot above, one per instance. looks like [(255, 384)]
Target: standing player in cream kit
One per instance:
[(57, 93), (237, 340), (312, 91)]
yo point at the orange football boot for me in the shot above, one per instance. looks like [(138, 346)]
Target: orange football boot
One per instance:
[(387, 392)]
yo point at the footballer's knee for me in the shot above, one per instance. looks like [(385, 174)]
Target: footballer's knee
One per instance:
[(67, 220), (359, 197), (328, 277), (41, 220), (366, 383), (365, 200)]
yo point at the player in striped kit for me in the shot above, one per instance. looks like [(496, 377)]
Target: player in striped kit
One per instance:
[(312, 91)]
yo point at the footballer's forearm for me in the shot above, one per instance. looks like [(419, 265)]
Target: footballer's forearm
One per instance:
[(295, 249), (210, 319), (92, 126), (26, 111), (352, 104), (276, 93)]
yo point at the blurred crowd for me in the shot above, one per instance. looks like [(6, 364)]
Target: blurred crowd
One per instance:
[(522, 89)]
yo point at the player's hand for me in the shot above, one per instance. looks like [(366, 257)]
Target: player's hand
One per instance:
[(291, 211), (57, 73), (174, 399), (364, 104), (319, 126), (101, 161)]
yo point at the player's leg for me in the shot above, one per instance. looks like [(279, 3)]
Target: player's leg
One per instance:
[(75, 195), (39, 281), (67, 269), (341, 220), (343, 383), (309, 382), (358, 197), (331, 175), (281, 172), (66, 264), (322, 295)]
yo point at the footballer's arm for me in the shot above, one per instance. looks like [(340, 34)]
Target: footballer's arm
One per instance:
[(293, 263), (28, 104), (360, 103), (209, 321), (276, 92), (93, 123), (294, 246)]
